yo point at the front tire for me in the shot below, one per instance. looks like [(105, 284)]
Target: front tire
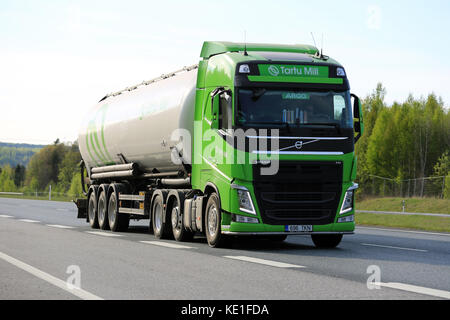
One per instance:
[(326, 241), (213, 221)]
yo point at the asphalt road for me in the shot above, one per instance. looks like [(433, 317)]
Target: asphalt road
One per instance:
[(44, 249)]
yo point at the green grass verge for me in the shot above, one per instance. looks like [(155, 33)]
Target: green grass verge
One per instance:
[(415, 205), (424, 223)]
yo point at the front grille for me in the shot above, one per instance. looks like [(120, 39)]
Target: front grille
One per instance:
[(297, 197), (300, 193)]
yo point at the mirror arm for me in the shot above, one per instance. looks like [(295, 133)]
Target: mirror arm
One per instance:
[(357, 115), (214, 93)]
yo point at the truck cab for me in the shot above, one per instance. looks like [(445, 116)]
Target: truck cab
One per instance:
[(273, 149)]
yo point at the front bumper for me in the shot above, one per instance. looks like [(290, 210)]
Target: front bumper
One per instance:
[(236, 228)]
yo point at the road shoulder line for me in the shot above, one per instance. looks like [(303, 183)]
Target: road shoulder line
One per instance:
[(392, 247), (60, 226), (80, 293), (104, 234), (400, 230), (416, 289), (265, 262), (166, 244)]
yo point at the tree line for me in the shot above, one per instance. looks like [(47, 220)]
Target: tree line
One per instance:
[(55, 165), (402, 141), (15, 154), (408, 140)]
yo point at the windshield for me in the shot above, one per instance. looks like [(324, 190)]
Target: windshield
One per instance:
[(261, 106)]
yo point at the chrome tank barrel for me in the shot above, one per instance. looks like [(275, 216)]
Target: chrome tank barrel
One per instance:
[(137, 125)]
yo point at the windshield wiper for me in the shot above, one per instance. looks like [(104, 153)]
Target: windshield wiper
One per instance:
[(335, 125), (265, 122), (288, 127)]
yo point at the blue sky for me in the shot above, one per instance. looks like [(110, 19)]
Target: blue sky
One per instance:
[(58, 58)]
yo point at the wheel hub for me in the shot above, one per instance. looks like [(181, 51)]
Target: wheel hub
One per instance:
[(212, 221)]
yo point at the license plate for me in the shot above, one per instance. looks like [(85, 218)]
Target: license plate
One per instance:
[(304, 228)]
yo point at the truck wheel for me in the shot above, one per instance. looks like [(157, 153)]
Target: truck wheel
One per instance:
[(159, 226), (326, 240), (178, 230), (213, 218), (92, 211), (117, 221), (102, 211)]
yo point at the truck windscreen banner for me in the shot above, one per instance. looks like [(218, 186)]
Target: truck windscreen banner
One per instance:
[(294, 73)]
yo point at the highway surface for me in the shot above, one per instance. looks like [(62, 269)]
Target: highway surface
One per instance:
[(46, 253)]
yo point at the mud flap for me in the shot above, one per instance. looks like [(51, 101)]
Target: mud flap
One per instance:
[(82, 208)]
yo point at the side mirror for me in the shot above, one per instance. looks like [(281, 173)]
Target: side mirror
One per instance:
[(358, 114)]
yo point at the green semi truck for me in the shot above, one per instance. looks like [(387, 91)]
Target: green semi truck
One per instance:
[(256, 139)]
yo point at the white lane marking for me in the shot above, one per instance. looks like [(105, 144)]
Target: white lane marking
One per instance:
[(265, 262), (5, 216), (390, 247), (28, 220), (406, 231), (166, 244), (105, 234), (416, 289), (62, 209), (59, 226), (80, 293)]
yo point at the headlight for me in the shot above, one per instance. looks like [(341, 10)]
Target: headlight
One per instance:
[(347, 204), (245, 200)]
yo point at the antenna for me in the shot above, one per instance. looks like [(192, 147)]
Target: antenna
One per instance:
[(314, 40), (321, 49), (245, 43)]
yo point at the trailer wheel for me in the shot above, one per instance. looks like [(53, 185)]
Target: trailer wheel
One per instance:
[(102, 211), (92, 211), (159, 226), (179, 231), (213, 218), (117, 221), (326, 240)]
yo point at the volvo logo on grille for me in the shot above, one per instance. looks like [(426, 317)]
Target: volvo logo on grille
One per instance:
[(298, 145)]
